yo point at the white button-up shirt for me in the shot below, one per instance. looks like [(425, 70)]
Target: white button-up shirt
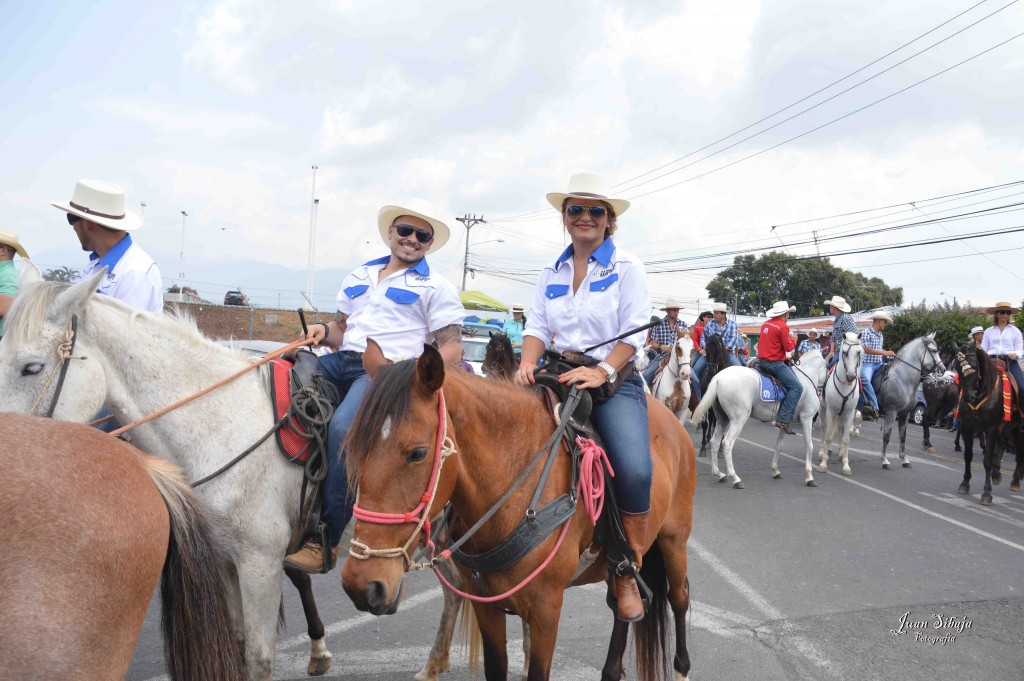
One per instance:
[(398, 313), (132, 276), (612, 299), (996, 343)]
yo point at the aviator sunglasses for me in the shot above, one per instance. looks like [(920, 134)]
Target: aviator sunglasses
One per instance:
[(596, 212), (422, 235)]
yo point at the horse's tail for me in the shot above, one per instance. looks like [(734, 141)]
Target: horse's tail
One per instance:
[(199, 635), (651, 633), (706, 402), (469, 632)]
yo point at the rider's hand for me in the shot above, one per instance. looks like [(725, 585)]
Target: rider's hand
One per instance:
[(890, 353), (317, 332), (1012, 355), (524, 374), (584, 377), (701, 351)]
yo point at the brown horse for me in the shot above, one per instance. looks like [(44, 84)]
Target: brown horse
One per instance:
[(90, 525), (500, 361), (490, 431)]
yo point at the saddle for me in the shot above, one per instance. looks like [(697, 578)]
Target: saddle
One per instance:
[(1010, 391), (771, 390), (877, 378)]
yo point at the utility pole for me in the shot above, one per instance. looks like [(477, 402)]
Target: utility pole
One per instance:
[(312, 236), (469, 221), (181, 257), (817, 246)]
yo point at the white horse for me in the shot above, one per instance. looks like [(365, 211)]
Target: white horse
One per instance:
[(135, 363), (734, 394), (842, 390), (672, 386)]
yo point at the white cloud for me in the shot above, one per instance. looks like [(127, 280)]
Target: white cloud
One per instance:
[(175, 118), (224, 43)]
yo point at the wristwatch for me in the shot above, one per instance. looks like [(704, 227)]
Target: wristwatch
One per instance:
[(610, 370)]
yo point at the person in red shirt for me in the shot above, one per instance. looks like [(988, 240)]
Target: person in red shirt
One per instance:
[(698, 328), (772, 348)]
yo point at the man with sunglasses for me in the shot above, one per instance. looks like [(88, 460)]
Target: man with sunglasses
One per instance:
[(399, 302), (1003, 340)]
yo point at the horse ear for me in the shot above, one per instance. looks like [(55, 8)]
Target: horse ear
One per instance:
[(429, 370), (77, 295), (29, 274), (491, 334), (373, 359)]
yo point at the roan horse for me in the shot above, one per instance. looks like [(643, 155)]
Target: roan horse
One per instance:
[(672, 386), (839, 406), (897, 391), (90, 525), (417, 415), (981, 412), (137, 363), (734, 394), (500, 360)]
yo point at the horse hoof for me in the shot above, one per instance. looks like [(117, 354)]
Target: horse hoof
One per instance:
[(986, 499), (811, 483), (778, 476), (318, 666), (723, 478), (997, 478), (930, 449), (738, 484), (964, 488), (906, 464), (822, 468), (885, 466), (1015, 486), (847, 471), (958, 448)]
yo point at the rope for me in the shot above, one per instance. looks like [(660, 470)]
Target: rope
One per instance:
[(63, 355)]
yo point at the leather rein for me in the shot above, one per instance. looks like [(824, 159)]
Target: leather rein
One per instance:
[(853, 380)]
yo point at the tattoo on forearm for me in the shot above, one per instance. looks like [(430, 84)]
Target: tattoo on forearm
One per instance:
[(448, 334)]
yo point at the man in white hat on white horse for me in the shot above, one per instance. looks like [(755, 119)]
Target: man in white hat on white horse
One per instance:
[(9, 247), (399, 302), (843, 324), (663, 337), (872, 340), (102, 221)]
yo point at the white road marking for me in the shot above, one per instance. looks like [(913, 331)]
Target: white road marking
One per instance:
[(804, 645), (895, 498), (970, 504)]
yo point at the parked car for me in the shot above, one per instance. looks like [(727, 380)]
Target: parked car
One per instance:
[(920, 409), (475, 349), (235, 298)]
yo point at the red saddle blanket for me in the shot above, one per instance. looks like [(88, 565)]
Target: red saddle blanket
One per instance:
[(293, 440)]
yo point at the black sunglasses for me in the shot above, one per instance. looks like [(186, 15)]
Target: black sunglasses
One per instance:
[(1002, 312), (422, 235), (596, 212), (72, 219)]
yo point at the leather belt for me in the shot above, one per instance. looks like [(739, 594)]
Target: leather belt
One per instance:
[(574, 356), (352, 353)]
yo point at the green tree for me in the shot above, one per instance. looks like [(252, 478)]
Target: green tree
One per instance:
[(951, 323), (757, 282), (63, 274)]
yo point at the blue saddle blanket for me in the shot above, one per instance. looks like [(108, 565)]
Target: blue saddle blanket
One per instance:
[(770, 390)]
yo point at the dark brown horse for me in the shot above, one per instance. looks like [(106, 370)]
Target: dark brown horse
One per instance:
[(90, 525), (500, 361), (941, 395), (981, 412), (717, 359), (417, 415)]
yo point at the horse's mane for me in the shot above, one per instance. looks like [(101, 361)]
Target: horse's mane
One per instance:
[(715, 349), (500, 355), (987, 373)]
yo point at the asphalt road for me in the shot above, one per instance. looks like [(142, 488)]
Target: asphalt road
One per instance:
[(787, 582)]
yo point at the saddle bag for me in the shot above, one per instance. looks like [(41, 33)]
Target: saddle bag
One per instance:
[(557, 364)]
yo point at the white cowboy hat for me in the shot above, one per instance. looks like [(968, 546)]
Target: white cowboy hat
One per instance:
[(1002, 305), (976, 329), (780, 308), (387, 215), (719, 307), (11, 239), (814, 331), (518, 307), (839, 302), (671, 304), (103, 203), (884, 316), (588, 186)]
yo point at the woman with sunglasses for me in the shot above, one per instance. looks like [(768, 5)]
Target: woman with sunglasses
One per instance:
[(594, 292), (1003, 341)]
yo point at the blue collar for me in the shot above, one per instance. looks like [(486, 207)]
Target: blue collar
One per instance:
[(603, 254), (114, 255), (421, 267)]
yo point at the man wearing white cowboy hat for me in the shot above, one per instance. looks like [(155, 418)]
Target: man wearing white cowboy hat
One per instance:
[(843, 324), (1003, 340), (663, 337), (399, 302), (809, 343), (719, 325), (102, 220), (514, 327), (871, 340), (9, 247), (773, 347)]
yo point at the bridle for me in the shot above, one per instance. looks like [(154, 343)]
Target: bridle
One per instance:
[(65, 353), (854, 384), (925, 351)]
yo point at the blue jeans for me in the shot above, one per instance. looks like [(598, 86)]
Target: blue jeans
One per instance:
[(1014, 367), (108, 426), (622, 424), (784, 375), (347, 374), (867, 370), (652, 366)]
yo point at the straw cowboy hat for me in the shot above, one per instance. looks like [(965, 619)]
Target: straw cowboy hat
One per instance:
[(518, 307), (387, 215), (976, 329), (883, 316), (814, 331), (780, 308), (11, 239), (671, 304), (103, 203), (719, 307), (588, 186), (1002, 305), (839, 302)]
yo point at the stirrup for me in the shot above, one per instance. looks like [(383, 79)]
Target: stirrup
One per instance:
[(626, 567)]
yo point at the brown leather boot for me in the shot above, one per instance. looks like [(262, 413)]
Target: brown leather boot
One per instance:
[(628, 606)]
